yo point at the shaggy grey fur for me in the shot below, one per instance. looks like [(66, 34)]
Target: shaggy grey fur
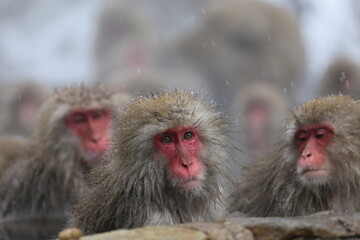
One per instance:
[(45, 182), (274, 188), (133, 187)]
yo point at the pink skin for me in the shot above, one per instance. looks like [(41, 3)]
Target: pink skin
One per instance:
[(27, 112), (181, 148), (312, 142), (137, 57), (257, 118), (91, 126)]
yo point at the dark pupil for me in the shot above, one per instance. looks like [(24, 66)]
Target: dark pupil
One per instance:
[(98, 114), (166, 139), (188, 135), (303, 137), (320, 135), (79, 118)]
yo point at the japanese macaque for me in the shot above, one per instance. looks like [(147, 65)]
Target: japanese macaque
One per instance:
[(21, 102), (342, 76), (168, 158), (72, 135), (123, 41), (260, 109), (239, 42), (314, 168)]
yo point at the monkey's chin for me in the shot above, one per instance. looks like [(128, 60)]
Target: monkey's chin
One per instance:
[(317, 175), (94, 159), (190, 184)]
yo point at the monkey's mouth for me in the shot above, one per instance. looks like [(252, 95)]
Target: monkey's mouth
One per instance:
[(94, 158), (190, 183), (312, 172)]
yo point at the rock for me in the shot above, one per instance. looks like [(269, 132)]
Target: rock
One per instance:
[(70, 234), (325, 225), (222, 231), (150, 233)]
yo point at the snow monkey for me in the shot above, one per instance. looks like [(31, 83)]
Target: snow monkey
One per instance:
[(71, 136), (21, 102), (342, 76), (241, 42), (315, 167), (168, 157)]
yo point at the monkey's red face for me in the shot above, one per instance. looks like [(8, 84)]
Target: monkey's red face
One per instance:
[(181, 148), (257, 123), (312, 142), (91, 126), (27, 112)]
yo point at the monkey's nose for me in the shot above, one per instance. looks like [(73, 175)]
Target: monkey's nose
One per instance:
[(94, 139), (186, 163), (307, 155)]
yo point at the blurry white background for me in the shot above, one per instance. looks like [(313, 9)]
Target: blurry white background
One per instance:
[(53, 41)]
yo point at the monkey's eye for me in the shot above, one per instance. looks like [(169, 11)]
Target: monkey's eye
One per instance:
[(166, 139), (79, 118), (302, 137), (320, 133), (188, 135), (98, 114)]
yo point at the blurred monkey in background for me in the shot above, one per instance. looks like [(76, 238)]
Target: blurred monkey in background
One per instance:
[(240, 42), (342, 76), (20, 104)]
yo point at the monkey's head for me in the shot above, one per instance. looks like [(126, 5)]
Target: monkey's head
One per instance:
[(262, 108), (21, 102), (343, 76), (325, 135), (175, 138), (252, 39), (76, 120)]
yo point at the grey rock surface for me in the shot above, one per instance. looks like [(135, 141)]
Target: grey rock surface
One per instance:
[(326, 225)]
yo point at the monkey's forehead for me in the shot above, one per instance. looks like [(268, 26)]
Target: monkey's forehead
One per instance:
[(169, 109), (83, 94), (168, 102), (327, 109), (70, 98)]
